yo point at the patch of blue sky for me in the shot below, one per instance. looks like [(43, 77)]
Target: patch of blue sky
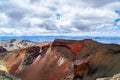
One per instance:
[(117, 24), (117, 21), (58, 16), (118, 12)]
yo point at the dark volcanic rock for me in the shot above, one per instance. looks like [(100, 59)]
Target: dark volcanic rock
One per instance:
[(2, 49), (65, 60)]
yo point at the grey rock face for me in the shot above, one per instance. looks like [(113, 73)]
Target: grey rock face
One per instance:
[(9, 45), (115, 77)]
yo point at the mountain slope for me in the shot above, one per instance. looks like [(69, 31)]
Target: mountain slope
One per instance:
[(64, 60)]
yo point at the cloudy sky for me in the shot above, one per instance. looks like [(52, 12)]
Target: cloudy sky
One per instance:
[(60, 17)]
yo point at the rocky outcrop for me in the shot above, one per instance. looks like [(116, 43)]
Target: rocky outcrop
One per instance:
[(13, 44), (6, 76), (2, 49), (64, 60), (115, 77)]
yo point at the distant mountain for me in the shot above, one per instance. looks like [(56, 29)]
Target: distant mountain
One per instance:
[(13, 44)]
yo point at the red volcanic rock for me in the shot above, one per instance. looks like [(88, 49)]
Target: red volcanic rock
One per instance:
[(16, 60), (85, 59), (45, 68), (74, 46), (101, 59), (80, 69)]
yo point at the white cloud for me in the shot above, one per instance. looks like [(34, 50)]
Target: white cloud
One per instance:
[(6, 30), (3, 19), (113, 5), (28, 17), (88, 21)]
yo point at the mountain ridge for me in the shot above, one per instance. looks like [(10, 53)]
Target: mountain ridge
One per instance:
[(62, 59)]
